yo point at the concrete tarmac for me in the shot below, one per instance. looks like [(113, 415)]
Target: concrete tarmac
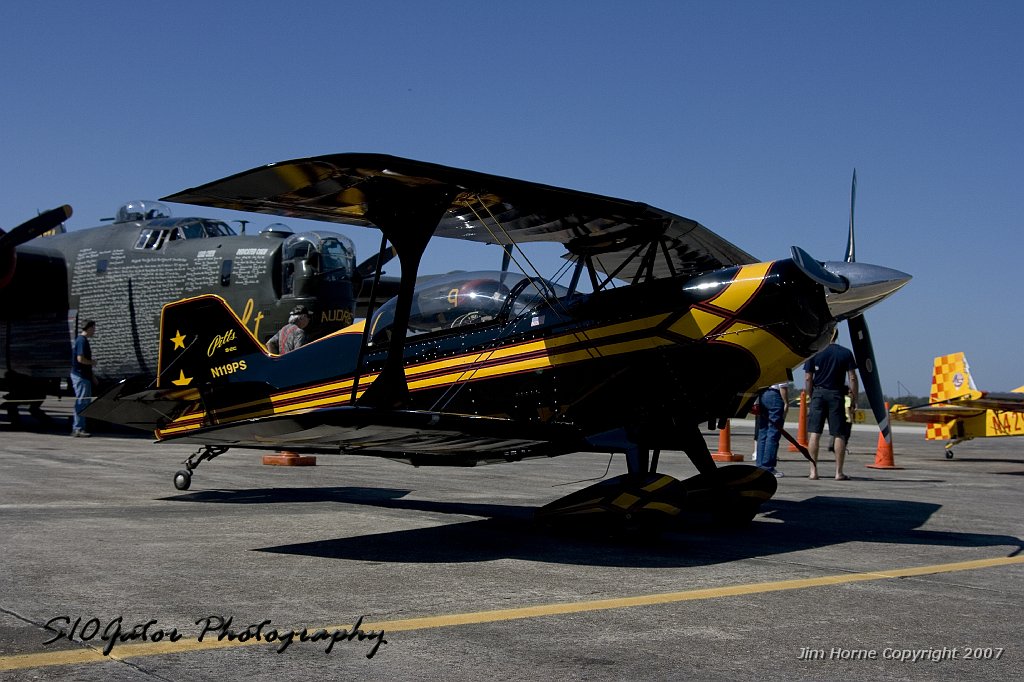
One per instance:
[(906, 574)]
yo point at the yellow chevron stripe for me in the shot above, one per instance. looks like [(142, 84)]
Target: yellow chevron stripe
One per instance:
[(659, 482), (696, 324), (770, 352), (747, 282), (669, 509), (625, 500)]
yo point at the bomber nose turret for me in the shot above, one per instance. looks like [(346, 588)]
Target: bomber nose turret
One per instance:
[(868, 284)]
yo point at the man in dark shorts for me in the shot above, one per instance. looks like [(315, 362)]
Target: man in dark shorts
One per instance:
[(824, 383)]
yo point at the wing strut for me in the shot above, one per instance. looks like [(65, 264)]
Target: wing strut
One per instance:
[(370, 309), (408, 216)]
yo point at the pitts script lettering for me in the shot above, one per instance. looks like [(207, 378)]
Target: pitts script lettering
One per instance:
[(222, 341)]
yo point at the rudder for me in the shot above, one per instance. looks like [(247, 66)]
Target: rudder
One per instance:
[(951, 378), (202, 338)]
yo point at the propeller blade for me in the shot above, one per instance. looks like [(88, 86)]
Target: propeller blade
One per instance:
[(865, 355), (851, 248), (372, 264), (30, 229)]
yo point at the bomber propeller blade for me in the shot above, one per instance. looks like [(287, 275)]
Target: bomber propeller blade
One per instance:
[(30, 229)]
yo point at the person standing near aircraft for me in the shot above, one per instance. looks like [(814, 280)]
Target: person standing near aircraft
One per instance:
[(82, 377), (823, 384), (771, 416), (293, 334)]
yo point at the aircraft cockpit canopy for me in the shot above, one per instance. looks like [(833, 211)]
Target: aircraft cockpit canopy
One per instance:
[(310, 257), (275, 230), (462, 299), (332, 254), (141, 210)]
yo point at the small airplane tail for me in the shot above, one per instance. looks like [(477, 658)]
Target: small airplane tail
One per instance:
[(203, 340), (951, 378), (207, 357)]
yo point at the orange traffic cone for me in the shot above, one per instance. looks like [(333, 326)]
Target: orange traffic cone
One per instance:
[(285, 458), (725, 453), (801, 429), (883, 455)]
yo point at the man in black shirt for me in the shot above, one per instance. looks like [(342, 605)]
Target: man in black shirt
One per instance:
[(825, 374)]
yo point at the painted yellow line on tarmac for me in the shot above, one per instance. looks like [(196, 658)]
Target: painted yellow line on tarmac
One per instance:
[(127, 651)]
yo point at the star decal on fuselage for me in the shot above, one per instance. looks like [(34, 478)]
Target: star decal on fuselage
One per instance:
[(182, 380), (178, 341)]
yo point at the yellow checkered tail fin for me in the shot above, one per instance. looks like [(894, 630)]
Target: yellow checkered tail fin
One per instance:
[(951, 378)]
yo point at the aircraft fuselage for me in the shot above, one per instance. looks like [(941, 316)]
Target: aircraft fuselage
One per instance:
[(641, 357)]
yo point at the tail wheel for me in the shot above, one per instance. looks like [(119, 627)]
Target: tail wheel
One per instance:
[(182, 480)]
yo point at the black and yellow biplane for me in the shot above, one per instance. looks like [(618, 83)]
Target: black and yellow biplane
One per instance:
[(676, 328)]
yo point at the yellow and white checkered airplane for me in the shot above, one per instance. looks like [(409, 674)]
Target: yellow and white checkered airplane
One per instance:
[(958, 411)]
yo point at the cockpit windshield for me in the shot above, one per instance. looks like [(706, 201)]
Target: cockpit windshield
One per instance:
[(335, 252), (204, 228), (326, 256), (461, 299), (159, 231)]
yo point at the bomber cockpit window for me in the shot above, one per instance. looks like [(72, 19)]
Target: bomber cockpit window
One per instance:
[(464, 299), (216, 228), (201, 229), (151, 238)]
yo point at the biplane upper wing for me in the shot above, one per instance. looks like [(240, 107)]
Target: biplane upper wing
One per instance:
[(360, 189)]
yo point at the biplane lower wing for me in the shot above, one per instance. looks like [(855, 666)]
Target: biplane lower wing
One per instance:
[(419, 437)]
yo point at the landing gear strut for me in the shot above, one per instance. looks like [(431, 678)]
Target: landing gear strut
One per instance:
[(183, 478)]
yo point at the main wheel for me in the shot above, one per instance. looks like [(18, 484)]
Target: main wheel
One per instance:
[(182, 480)]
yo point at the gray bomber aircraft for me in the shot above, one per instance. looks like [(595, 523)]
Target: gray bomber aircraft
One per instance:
[(121, 274)]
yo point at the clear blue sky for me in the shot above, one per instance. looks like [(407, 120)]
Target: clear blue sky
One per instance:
[(746, 116)]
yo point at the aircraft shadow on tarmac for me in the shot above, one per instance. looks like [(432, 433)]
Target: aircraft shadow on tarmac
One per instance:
[(509, 531)]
